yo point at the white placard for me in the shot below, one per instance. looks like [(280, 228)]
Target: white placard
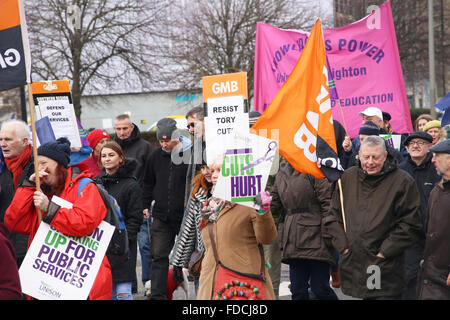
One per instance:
[(61, 267), (62, 117), (245, 169), (224, 115), (394, 140)]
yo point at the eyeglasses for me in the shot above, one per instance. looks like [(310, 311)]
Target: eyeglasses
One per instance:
[(192, 124), (418, 143)]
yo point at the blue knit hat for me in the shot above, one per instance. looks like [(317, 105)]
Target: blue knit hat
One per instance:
[(58, 150), (369, 128)]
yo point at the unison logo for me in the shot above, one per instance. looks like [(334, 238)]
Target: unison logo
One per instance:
[(48, 291)]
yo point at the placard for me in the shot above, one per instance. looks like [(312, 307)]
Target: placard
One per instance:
[(53, 99), (226, 109), (245, 169), (393, 140), (62, 267)]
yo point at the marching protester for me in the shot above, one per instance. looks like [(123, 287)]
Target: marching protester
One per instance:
[(434, 129), (9, 274), (18, 165), (231, 234), (368, 128), (435, 275), (379, 220), (57, 179), (97, 138), (128, 136), (196, 126), (306, 200), (79, 154), (272, 251), (420, 167), (190, 239), (165, 183), (388, 129), (117, 178), (375, 116), (421, 121)]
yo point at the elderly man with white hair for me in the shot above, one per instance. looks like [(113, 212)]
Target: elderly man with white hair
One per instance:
[(16, 147), (379, 221)]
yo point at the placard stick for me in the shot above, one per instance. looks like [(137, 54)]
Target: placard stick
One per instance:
[(33, 133)]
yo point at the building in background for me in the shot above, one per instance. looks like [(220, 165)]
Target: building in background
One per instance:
[(144, 108)]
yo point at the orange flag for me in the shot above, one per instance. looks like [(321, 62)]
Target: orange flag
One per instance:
[(301, 112)]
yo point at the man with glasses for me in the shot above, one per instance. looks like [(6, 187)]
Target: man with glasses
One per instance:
[(419, 166), (196, 126)]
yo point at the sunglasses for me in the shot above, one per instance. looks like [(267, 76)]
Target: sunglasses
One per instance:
[(192, 124)]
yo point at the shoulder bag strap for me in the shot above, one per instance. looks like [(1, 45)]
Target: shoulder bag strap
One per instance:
[(213, 242), (216, 256)]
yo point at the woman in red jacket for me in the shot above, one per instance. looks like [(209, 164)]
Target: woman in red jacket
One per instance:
[(82, 219)]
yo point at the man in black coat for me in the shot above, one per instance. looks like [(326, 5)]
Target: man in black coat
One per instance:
[(419, 166), (434, 280), (17, 164), (129, 138), (164, 183)]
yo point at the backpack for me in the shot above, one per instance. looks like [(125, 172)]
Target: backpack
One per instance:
[(118, 245)]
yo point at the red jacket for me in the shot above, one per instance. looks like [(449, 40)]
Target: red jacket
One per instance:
[(9, 274), (87, 213)]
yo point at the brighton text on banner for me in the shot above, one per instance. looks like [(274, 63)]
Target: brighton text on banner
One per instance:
[(364, 62)]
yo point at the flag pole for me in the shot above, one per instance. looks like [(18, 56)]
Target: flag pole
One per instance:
[(27, 56), (342, 115), (33, 133), (342, 204), (339, 180)]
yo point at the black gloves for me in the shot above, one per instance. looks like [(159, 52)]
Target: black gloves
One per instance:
[(177, 274)]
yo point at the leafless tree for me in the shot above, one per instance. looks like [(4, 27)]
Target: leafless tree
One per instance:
[(100, 45), (207, 37)]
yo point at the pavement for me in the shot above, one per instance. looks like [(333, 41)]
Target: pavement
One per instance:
[(284, 292)]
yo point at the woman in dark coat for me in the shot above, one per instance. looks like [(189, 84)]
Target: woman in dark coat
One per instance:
[(306, 200), (117, 178)]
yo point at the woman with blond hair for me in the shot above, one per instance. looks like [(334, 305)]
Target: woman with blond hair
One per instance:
[(435, 129), (236, 231)]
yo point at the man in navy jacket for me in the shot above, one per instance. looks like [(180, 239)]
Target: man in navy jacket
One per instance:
[(164, 183)]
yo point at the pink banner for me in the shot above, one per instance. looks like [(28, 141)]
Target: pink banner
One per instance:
[(363, 59)]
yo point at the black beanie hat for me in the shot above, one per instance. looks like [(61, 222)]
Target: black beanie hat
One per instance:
[(58, 150), (165, 128), (369, 128)]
